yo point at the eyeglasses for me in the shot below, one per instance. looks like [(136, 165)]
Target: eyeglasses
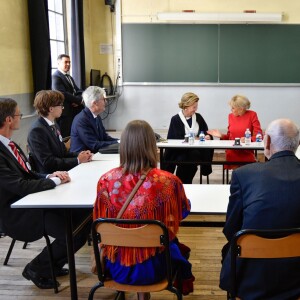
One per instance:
[(19, 115), (62, 107)]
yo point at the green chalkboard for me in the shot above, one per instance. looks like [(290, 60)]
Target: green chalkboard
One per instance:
[(259, 53), (170, 53), (211, 53)]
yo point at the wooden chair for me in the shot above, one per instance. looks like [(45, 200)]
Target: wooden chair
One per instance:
[(250, 243), (151, 233)]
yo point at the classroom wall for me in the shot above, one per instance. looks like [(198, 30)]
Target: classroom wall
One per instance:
[(15, 61), (99, 28), (157, 103)]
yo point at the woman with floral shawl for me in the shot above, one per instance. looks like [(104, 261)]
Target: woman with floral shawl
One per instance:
[(160, 197)]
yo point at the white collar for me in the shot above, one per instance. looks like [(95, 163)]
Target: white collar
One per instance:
[(185, 123)]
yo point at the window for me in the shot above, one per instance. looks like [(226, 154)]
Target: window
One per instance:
[(57, 29)]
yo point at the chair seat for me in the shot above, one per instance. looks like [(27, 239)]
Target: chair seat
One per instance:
[(156, 287)]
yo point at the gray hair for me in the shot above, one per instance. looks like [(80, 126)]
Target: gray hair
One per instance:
[(91, 94), (284, 134)]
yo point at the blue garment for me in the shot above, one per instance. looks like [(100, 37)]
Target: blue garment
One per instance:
[(151, 270), (87, 134)]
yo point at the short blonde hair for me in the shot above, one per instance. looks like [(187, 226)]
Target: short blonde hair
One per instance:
[(187, 100), (239, 101)]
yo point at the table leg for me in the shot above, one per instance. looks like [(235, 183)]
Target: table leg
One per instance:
[(71, 256)]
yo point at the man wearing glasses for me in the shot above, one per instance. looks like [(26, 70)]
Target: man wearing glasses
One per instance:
[(17, 180), (46, 147)]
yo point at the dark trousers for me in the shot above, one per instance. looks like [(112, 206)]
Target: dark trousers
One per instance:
[(55, 227), (186, 172)]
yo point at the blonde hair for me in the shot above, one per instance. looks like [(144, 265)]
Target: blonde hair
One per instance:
[(187, 100), (239, 101)]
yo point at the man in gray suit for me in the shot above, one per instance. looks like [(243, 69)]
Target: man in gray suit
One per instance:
[(266, 196)]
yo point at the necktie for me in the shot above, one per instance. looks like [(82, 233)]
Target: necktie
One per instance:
[(70, 81), (17, 155), (55, 130)]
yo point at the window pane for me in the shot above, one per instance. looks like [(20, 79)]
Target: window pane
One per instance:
[(58, 6), (59, 27), (51, 4), (57, 48), (52, 25)]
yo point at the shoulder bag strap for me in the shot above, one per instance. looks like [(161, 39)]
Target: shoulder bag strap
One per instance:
[(139, 183)]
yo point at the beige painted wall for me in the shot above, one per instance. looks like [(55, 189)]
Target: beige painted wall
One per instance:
[(99, 29), (146, 10), (15, 58)]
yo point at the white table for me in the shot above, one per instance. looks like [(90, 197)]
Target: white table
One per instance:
[(81, 192), (208, 144), (208, 198)]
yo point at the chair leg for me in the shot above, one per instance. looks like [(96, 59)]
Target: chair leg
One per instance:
[(207, 179), (13, 241), (51, 263), (93, 290), (25, 245), (120, 296), (200, 174)]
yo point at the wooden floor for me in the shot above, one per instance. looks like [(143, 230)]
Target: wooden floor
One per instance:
[(206, 244)]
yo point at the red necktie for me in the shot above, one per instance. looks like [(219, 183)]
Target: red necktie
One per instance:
[(17, 155)]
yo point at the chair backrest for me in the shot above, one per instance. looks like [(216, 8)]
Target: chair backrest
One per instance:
[(251, 243), (150, 233)]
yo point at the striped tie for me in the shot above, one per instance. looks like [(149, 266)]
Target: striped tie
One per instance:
[(17, 155)]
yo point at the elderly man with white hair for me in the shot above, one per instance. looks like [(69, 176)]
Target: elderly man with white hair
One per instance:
[(266, 196), (88, 132)]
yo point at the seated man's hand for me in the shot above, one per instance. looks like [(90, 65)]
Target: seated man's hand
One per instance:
[(85, 156), (62, 175)]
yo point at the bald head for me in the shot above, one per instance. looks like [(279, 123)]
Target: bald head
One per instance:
[(281, 134)]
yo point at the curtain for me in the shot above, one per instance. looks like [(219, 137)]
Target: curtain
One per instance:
[(40, 44), (77, 43)]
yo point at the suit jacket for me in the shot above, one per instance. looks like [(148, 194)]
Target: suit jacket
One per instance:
[(72, 96), (177, 132), (16, 183), (48, 152), (265, 196), (86, 134)]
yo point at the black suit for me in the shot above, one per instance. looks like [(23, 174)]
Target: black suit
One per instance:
[(47, 150), (72, 96), (30, 224), (187, 172), (265, 196)]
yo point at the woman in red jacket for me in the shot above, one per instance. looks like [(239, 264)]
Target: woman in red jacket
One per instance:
[(239, 120)]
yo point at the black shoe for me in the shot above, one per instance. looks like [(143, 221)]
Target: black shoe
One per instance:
[(62, 272), (39, 281)]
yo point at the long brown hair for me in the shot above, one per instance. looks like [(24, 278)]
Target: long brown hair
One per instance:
[(138, 149)]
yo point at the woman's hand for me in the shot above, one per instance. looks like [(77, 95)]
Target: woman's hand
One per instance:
[(214, 132)]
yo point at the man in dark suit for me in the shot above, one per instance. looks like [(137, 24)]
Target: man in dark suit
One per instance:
[(88, 132), (266, 196), (16, 181), (47, 150), (63, 82)]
